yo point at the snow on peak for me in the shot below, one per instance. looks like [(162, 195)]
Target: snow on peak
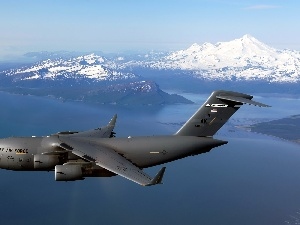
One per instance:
[(223, 53), (248, 37), (87, 66), (242, 58), (194, 47), (91, 59)]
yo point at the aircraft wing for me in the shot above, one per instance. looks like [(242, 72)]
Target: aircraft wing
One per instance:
[(109, 159), (101, 132)]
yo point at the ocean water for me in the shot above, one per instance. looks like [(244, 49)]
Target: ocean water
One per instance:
[(254, 179)]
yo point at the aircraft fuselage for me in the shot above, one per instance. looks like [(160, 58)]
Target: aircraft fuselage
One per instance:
[(43, 153), (23, 153)]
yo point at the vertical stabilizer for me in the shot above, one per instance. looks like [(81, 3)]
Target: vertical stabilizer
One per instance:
[(215, 112)]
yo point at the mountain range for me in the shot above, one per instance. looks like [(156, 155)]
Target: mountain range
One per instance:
[(198, 68), (89, 66), (242, 59), (85, 78)]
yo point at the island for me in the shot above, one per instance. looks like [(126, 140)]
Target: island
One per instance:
[(286, 128)]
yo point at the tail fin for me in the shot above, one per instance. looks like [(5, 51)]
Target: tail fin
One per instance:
[(215, 112)]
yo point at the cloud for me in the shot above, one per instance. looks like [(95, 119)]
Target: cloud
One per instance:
[(262, 7)]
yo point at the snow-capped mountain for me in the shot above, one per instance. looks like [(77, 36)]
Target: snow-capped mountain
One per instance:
[(245, 58), (80, 79), (83, 67)]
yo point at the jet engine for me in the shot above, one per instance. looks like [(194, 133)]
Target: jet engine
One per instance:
[(45, 162), (68, 172)]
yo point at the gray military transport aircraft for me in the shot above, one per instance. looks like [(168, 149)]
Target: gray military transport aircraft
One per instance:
[(98, 153)]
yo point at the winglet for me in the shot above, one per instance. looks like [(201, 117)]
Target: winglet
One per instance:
[(158, 178), (112, 122)]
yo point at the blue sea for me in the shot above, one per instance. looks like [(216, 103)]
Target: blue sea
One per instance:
[(254, 179)]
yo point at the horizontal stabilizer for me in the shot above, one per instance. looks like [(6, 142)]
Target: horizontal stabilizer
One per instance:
[(241, 100)]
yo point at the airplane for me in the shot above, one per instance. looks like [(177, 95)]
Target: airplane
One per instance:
[(74, 155)]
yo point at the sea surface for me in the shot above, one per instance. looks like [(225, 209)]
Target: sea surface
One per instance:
[(254, 179)]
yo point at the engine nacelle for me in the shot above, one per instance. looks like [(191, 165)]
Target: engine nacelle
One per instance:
[(45, 162), (68, 172)]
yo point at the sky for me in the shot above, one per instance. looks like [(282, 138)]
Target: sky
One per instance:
[(131, 25)]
